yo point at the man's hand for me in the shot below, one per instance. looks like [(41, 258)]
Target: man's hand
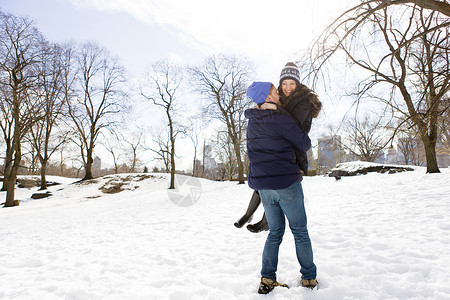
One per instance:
[(266, 105)]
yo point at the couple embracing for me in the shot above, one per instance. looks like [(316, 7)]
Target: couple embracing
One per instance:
[(277, 142)]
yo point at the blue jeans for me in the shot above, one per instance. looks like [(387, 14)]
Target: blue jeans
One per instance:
[(277, 204)]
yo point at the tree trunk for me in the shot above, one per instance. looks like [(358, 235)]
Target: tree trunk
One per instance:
[(10, 186), (203, 160), (430, 154), (172, 165), (194, 165), (12, 177), (7, 169), (43, 174), (5, 179), (88, 167)]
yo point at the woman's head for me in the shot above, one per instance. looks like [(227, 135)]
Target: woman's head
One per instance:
[(289, 79), (288, 86)]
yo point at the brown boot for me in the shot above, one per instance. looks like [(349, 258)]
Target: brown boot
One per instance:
[(309, 283), (267, 285)]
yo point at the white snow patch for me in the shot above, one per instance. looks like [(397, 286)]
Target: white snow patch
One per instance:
[(377, 236)]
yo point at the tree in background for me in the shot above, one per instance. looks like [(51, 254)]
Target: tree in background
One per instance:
[(444, 124), (193, 132), (444, 131), (223, 81), (409, 146), (164, 79), (21, 45), (113, 144), (406, 60), (162, 149), (135, 142), (54, 67), (100, 86), (226, 153), (366, 139)]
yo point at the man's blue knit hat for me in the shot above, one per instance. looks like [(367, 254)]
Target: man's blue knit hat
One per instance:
[(259, 91)]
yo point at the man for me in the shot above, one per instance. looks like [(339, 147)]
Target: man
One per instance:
[(271, 138)]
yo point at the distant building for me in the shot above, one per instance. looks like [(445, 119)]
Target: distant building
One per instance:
[(209, 161), (97, 164), (381, 157), (208, 167), (330, 153), (392, 156)]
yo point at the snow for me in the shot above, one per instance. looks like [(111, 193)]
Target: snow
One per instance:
[(375, 236), (354, 166)]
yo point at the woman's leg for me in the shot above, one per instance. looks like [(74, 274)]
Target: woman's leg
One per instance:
[(252, 206), (260, 226)]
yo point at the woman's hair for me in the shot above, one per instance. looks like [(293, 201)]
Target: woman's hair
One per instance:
[(300, 90)]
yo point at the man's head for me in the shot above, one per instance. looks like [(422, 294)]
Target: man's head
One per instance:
[(261, 92)]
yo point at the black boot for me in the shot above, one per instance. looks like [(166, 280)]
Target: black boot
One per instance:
[(242, 221), (252, 206), (260, 226)]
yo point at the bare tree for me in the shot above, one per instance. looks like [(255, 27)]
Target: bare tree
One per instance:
[(162, 150), (226, 153), (410, 147), (54, 69), (113, 145), (377, 5), (20, 48), (223, 81), (365, 138), (164, 80), (134, 141), (444, 125), (100, 80), (193, 133), (407, 55)]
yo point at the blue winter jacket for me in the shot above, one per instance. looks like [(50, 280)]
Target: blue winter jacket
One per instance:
[(271, 138)]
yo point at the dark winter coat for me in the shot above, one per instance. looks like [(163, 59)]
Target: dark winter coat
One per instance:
[(271, 138), (303, 105)]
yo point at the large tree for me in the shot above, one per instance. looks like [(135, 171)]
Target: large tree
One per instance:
[(161, 89), (20, 50), (223, 81), (405, 61), (100, 97), (54, 72)]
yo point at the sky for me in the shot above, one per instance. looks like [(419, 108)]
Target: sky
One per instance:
[(141, 32)]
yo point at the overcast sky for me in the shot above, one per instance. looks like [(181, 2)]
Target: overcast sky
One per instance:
[(142, 31)]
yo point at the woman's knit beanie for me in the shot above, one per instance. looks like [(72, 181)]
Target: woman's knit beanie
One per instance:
[(290, 71)]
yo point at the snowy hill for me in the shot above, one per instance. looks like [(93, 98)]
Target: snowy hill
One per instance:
[(377, 236)]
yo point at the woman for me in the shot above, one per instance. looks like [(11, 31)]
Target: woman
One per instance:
[(302, 104)]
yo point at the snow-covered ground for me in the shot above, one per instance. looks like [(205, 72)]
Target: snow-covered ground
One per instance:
[(376, 236)]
